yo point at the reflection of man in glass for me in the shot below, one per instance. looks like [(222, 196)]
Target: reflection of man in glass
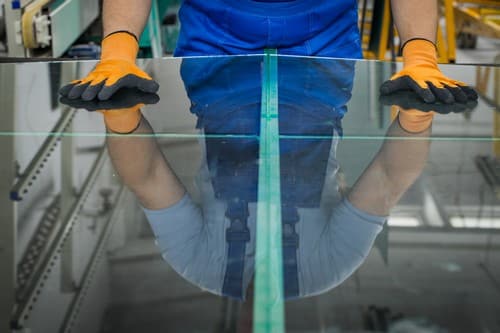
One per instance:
[(326, 235)]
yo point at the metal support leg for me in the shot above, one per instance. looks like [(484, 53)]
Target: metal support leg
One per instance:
[(68, 283), (482, 79), (496, 115), (496, 93), (7, 207), (450, 30), (68, 72), (442, 47)]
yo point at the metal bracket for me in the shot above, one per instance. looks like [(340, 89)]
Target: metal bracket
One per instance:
[(30, 262)]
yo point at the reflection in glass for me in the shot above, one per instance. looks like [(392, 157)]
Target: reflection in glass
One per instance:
[(329, 228)]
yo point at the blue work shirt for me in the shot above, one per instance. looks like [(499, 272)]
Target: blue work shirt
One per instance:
[(299, 27)]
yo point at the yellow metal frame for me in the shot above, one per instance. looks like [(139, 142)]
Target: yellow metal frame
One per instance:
[(478, 21), (447, 53), (384, 34), (478, 17), (381, 52)]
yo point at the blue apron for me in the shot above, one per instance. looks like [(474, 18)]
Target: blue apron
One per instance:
[(299, 27)]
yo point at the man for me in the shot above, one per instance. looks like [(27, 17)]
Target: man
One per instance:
[(297, 27)]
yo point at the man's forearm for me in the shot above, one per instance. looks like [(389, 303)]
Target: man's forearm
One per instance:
[(143, 169), (393, 170), (129, 15), (415, 19)]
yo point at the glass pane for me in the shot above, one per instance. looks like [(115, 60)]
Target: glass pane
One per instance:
[(252, 193), (110, 266), (387, 217)]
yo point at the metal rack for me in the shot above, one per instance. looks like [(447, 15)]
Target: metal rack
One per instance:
[(28, 296), (29, 176), (30, 272)]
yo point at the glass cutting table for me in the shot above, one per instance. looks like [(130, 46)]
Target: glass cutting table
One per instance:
[(257, 193)]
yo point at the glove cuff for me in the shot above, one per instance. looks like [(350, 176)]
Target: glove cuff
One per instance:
[(123, 121), (419, 52), (415, 121), (120, 45)]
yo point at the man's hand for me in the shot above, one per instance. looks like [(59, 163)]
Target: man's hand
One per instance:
[(422, 75), (116, 70)]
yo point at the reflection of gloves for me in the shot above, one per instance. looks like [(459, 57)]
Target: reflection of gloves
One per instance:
[(415, 121), (123, 121), (122, 112), (116, 69), (122, 99), (422, 75), (408, 100)]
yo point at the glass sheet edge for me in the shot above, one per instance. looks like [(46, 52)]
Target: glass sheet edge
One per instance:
[(269, 300)]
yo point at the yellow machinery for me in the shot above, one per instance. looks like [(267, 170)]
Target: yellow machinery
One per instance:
[(463, 20), (476, 18)]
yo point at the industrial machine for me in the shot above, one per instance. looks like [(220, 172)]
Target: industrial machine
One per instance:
[(49, 28), (45, 27), (475, 18)]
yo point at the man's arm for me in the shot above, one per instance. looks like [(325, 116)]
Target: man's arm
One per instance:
[(415, 19), (143, 168), (128, 15), (395, 167), (417, 23), (123, 23)]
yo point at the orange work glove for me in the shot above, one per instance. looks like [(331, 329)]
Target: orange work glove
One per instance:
[(117, 69), (421, 74), (415, 121)]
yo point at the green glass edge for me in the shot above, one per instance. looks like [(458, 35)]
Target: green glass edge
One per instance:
[(269, 314), (245, 136)]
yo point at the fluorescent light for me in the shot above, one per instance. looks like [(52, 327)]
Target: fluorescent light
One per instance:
[(474, 222), (403, 221)]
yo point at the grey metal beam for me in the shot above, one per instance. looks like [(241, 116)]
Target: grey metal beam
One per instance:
[(67, 197), (8, 217)]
